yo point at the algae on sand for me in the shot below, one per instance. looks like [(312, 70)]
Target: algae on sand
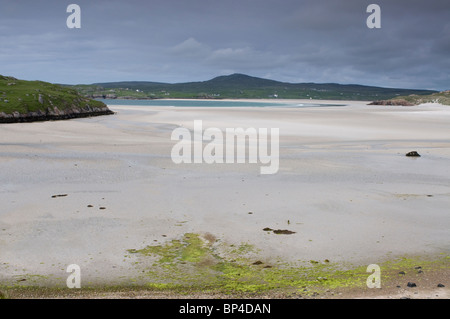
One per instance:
[(193, 262)]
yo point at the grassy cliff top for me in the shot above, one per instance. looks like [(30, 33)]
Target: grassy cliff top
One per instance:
[(31, 96), (441, 97)]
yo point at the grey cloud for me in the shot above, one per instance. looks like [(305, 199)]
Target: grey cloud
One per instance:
[(180, 40), (190, 48)]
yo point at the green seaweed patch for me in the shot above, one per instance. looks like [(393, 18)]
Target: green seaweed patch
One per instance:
[(193, 262), (294, 278), (181, 262), (191, 248), (166, 253), (411, 264)]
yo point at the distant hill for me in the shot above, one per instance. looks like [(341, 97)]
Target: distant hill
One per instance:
[(240, 86), (27, 101)]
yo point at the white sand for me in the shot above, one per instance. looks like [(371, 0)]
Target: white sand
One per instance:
[(344, 185)]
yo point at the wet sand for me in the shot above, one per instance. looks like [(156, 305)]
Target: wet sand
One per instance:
[(344, 186)]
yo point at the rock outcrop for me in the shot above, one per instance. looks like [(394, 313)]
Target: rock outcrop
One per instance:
[(53, 114), (31, 101), (400, 102)]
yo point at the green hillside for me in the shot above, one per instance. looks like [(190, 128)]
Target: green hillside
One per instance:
[(440, 97), (240, 86), (413, 99), (22, 100)]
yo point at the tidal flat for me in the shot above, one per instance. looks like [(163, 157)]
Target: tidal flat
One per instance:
[(104, 193)]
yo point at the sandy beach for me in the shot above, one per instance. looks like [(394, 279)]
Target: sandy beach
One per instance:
[(87, 191)]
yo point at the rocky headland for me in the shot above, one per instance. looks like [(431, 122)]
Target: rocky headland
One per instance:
[(31, 101)]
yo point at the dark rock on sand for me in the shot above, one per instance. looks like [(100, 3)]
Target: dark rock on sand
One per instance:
[(283, 232), (279, 231), (61, 195), (411, 284), (413, 154)]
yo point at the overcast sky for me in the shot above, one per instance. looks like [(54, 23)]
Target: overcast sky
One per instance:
[(195, 40)]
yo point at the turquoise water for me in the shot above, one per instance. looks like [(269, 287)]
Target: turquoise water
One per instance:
[(212, 103)]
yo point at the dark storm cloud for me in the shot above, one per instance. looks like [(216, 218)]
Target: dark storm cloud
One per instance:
[(176, 41)]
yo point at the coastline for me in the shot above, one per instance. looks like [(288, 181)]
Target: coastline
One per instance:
[(344, 187), (55, 115)]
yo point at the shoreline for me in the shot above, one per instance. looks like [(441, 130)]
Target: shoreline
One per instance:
[(428, 282), (28, 118), (404, 278), (344, 187)]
